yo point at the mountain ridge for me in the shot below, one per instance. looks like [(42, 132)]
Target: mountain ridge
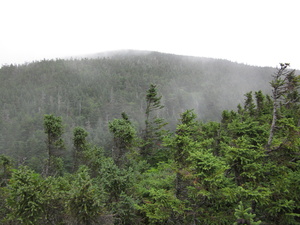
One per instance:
[(127, 52)]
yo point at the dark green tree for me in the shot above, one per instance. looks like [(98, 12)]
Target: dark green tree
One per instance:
[(152, 135), (26, 198), (80, 144), (54, 129), (85, 200), (157, 193), (186, 133), (260, 103), (124, 137), (249, 104)]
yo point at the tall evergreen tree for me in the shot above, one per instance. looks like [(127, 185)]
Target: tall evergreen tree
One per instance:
[(152, 136), (249, 104), (80, 144), (54, 129), (124, 136)]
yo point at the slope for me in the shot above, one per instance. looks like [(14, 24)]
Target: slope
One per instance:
[(92, 91)]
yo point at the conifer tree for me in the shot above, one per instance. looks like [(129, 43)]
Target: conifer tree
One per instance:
[(153, 124), (54, 129), (80, 144), (249, 104), (84, 202), (260, 103), (26, 198), (124, 136)]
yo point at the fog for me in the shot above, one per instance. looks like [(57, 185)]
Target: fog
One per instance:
[(261, 33)]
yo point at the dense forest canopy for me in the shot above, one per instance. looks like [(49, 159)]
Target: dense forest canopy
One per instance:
[(149, 138)]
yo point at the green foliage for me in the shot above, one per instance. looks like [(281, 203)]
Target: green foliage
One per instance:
[(122, 130), (84, 200), (80, 144), (207, 169), (79, 138), (53, 126), (54, 190), (188, 118), (246, 162), (184, 139), (26, 198), (124, 137), (244, 215), (5, 169), (263, 106), (93, 157), (54, 130), (115, 180), (153, 101), (249, 104), (153, 132), (199, 172), (157, 190), (4, 209), (125, 210)]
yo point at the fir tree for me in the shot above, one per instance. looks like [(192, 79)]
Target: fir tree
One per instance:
[(54, 129), (80, 144), (152, 136), (124, 137)]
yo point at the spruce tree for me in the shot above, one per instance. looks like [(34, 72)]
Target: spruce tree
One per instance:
[(249, 104), (80, 144), (54, 129), (124, 136), (152, 135)]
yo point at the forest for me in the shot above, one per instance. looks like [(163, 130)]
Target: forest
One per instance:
[(149, 138)]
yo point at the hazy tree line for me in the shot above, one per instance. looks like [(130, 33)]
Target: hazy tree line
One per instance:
[(242, 168)]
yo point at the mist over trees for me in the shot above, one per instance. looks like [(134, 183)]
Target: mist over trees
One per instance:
[(149, 138), (91, 92)]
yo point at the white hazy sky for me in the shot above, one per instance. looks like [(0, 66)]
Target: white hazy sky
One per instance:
[(255, 32)]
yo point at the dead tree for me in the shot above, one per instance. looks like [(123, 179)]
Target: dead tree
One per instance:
[(281, 86)]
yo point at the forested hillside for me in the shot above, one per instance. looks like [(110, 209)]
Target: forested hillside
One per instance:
[(149, 139), (91, 92)]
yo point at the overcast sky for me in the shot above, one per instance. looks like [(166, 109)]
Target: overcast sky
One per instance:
[(255, 32)]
